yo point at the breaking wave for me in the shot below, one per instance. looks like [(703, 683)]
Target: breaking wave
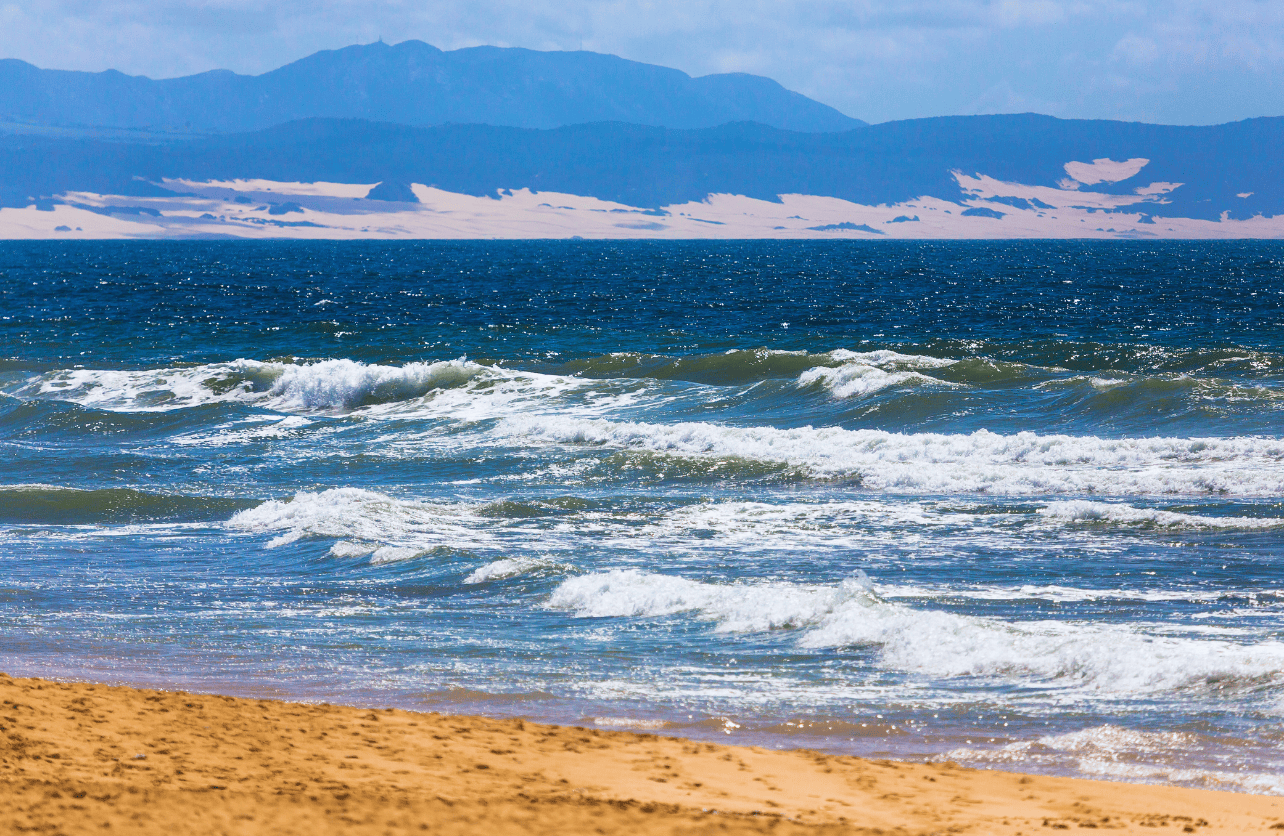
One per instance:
[(1104, 659), (512, 567), (735, 367), (365, 522), (1085, 511), (325, 386), (864, 373), (935, 463)]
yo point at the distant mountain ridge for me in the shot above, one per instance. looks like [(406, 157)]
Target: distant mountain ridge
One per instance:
[(412, 83)]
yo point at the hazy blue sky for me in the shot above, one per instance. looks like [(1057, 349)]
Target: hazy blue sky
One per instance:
[(1179, 61)]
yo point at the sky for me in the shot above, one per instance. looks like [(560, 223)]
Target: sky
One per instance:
[(1165, 61)]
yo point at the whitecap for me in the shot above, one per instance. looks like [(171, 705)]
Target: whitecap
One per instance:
[(1088, 658), (1023, 463), (886, 358), (366, 522), (734, 607), (864, 373), (854, 380), (347, 548), (456, 388), (511, 567), (1086, 511)]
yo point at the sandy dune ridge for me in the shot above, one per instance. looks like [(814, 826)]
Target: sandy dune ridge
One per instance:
[(82, 758), (265, 209)]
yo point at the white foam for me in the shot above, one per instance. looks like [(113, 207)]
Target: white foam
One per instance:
[(391, 554), (247, 430), (365, 522), (735, 607), (131, 391), (1087, 658), (1207, 389), (346, 384), (628, 723), (754, 527), (1259, 783), (459, 388), (853, 380), (1114, 741), (1120, 753), (864, 373), (347, 548), (888, 359), (510, 568), (386, 528), (1108, 382), (1082, 510), (1058, 593), (935, 463)]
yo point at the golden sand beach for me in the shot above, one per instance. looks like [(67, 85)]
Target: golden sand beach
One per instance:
[(82, 758)]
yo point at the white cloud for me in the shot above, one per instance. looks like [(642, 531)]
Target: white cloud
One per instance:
[(1136, 50)]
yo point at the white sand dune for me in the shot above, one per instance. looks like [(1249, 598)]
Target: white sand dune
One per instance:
[(1105, 170), (267, 209)]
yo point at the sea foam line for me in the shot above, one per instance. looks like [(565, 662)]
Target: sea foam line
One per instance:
[(867, 372), (1117, 753), (1088, 658), (364, 522), (326, 386), (935, 463), (1086, 511)]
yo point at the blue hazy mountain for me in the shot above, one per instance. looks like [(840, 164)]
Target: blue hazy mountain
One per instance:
[(652, 167), (411, 83)]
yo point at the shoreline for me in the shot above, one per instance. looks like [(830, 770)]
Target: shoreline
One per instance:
[(82, 758)]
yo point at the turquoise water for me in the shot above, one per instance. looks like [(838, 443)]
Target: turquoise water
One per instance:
[(1010, 504)]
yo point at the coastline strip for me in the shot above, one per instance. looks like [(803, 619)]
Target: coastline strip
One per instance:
[(82, 758)]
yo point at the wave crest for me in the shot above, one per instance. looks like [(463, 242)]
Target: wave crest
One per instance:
[(365, 521), (58, 505), (1105, 659), (346, 384), (864, 373), (325, 386), (934, 463), (1086, 511)]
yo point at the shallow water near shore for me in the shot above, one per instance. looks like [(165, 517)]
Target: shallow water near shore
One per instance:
[(1010, 504)]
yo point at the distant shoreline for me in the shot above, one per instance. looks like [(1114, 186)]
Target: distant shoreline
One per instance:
[(266, 209)]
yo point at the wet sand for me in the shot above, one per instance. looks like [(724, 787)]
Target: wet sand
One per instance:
[(80, 758)]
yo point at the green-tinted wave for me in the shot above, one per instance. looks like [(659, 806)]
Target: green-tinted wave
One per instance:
[(733, 368), (51, 505)]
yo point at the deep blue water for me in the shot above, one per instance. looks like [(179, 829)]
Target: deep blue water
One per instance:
[(1013, 504)]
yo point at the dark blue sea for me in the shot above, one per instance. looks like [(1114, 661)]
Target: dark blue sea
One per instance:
[(1017, 505)]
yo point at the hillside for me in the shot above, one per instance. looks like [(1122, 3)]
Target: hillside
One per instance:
[(411, 83), (1194, 172)]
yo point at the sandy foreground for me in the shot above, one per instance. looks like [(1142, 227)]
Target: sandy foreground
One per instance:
[(78, 758)]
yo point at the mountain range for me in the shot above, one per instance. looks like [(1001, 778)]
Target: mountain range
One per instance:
[(380, 123), (411, 83)]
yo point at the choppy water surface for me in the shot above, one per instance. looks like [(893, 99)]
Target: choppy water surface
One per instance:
[(1018, 505)]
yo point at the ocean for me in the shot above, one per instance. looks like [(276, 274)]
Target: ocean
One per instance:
[(1013, 505)]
